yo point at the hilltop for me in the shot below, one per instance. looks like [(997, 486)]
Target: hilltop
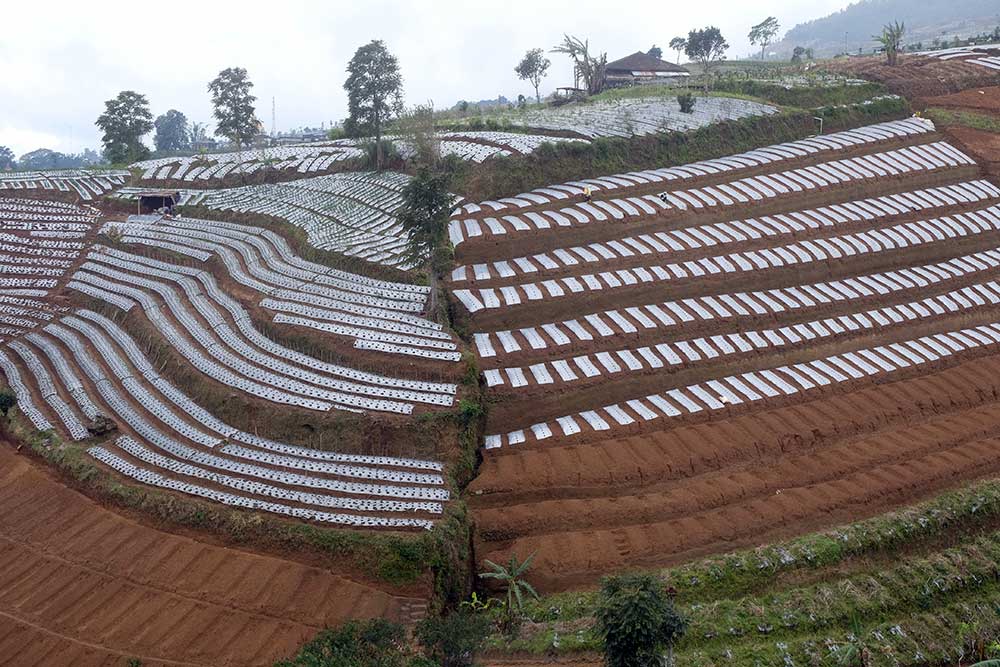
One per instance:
[(924, 22)]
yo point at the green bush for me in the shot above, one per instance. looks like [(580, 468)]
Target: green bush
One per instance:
[(376, 643), (637, 621), (686, 102), (455, 639), (8, 399)]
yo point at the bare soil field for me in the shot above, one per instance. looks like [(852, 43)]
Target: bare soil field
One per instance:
[(660, 498), (87, 586), (917, 76), (975, 99)]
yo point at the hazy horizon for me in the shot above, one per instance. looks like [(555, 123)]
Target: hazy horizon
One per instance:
[(58, 72)]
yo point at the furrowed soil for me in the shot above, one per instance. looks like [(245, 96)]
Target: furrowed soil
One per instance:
[(916, 76), (985, 99), (660, 498), (82, 585)]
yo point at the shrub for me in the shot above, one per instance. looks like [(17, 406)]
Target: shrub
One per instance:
[(376, 643), (390, 153), (637, 621), (8, 399), (686, 100), (453, 640)]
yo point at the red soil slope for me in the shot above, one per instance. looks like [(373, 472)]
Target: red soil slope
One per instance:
[(82, 585)]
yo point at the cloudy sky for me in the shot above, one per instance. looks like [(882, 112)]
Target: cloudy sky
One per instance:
[(61, 60)]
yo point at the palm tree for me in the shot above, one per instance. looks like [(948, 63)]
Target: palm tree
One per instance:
[(511, 579), (891, 38)]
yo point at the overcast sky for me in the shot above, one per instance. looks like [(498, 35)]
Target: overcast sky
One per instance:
[(59, 61)]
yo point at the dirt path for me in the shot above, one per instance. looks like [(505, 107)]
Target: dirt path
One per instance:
[(94, 588)]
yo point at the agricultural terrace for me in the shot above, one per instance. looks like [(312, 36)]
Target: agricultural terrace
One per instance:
[(756, 359)]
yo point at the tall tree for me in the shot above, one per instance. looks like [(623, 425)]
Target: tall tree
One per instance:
[(125, 120), (533, 68), (763, 33), (706, 46), (655, 52), (891, 38), (426, 206), (678, 44), (172, 132), (374, 92), (589, 69), (235, 116), (6, 158)]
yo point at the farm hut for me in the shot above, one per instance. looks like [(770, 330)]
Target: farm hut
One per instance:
[(640, 68), (154, 200)]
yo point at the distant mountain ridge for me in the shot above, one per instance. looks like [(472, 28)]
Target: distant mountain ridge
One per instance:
[(853, 26)]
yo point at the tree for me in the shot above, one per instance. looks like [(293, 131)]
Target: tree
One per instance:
[(424, 212), (235, 115), (8, 399), (797, 54), (374, 92), (513, 582), (172, 132), (655, 52), (678, 44), (706, 46), (454, 640), (125, 120), (890, 39), (533, 68), (6, 158), (763, 33), (637, 621), (589, 69), (416, 126)]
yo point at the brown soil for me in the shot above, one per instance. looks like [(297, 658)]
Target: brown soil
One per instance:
[(85, 586), (974, 99), (917, 76), (660, 498), (984, 146)]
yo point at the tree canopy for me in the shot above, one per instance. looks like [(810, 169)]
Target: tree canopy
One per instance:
[(427, 204), (586, 68), (235, 115), (533, 68), (172, 133), (45, 158), (678, 44), (637, 621), (800, 52), (655, 52), (426, 207), (763, 33), (374, 88), (706, 46), (125, 120), (6, 158)]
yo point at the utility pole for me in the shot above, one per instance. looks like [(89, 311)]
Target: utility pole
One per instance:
[(274, 127)]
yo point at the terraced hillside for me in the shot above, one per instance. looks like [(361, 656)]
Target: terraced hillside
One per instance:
[(188, 370), (723, 353)]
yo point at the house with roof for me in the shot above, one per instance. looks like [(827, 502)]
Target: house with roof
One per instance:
[(641, 68)]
